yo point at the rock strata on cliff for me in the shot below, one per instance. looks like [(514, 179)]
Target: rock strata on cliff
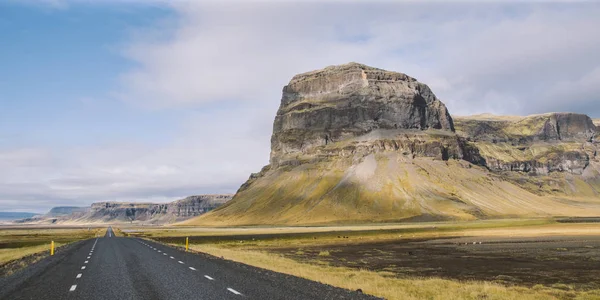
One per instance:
[(341, 102), (539, 144)]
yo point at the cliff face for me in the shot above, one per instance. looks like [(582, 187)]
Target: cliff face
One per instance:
[(538, 145), (156, 213), (196, 205), (121, 212), (353, 143), (341, 102)]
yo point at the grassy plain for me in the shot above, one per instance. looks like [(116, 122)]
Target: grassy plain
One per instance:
[(315, 253), (18, 242)]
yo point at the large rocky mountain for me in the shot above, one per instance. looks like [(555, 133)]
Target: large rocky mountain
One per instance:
[(139, 213), (353, 143)]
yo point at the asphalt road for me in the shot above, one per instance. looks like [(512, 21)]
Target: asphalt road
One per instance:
[(129, 268)]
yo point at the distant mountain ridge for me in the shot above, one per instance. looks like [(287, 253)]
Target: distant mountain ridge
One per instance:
[(131, 212), (5, 216), (65, 210)]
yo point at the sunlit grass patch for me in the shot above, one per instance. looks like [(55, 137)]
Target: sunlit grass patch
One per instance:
[(384, 284)]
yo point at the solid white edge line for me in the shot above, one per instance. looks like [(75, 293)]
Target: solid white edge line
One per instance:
[(208, 277), (192, 268), (79, 275), (73, 287), (234, 291)]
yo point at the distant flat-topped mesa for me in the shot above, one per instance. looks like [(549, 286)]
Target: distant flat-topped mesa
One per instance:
[(130, 212), (542, 127), (345, 101), (536, 144)]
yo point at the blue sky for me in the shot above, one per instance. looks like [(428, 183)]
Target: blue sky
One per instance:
[(154, 100), (60, 67)]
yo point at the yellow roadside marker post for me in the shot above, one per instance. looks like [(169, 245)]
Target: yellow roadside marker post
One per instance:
[(52, 248), (187, 244)]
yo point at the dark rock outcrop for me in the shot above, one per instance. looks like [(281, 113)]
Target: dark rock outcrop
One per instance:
[(340, 102), (196, 205), (537, 144)]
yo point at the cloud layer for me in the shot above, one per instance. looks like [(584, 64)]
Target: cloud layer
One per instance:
[(512, 58), (225, 65)]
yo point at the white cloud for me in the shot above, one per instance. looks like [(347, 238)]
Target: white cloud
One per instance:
[(229, 63), (214, 153), (248, 51)]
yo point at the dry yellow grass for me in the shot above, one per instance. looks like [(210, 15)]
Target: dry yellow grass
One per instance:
[(117, 232), (320, 237), (378, 230), (488, 117), (21, 242), (396, 188), (384, 285), (10, 254)]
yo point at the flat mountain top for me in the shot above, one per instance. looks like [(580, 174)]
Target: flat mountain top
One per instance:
[(132, 212)]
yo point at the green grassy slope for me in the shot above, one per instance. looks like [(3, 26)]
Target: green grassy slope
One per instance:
[(385, 185)]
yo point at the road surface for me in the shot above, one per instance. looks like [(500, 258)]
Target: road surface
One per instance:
[(112, 267)]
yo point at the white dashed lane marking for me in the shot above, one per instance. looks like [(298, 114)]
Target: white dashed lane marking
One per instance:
[(83, 268), (86, 262), (73, 287), (179, 261), (234, 291), (88, 257), (79, 275)]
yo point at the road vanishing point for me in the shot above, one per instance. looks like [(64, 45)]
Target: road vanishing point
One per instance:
[(113, 267)]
